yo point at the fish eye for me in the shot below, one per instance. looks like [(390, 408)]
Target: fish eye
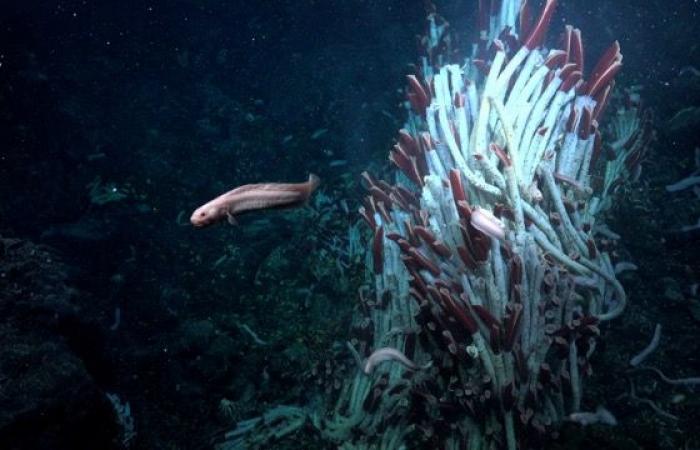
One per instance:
[(202, 214)]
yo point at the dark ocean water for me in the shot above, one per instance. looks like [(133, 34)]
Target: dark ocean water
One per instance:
[(118, 119)]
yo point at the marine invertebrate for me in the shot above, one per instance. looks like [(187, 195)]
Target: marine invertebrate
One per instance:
[(482, 239)]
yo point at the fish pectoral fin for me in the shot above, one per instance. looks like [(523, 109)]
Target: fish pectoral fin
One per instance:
[(231, 219)]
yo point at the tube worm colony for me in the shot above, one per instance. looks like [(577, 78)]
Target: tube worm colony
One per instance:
[(491, 264), (486, 254)]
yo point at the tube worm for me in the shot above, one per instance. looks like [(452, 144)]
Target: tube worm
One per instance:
[(649, 349), (540, 29), (378, 250), (389, 354), (417, 95), (576, 52), (512, 326)]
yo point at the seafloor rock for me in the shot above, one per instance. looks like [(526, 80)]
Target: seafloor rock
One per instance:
[(49, 399)]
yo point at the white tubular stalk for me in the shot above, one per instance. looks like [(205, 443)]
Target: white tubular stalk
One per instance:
[(583, 177), (536, 314), (439, 157), (510, 171), (512, 8), (456, 81), (536, 116), (450, 228), (559, 255), (508, 132), (504, 81), (472, 102), (461, 113), (509, 70), (536, 150), (456, 153), (444, 156), (476, 180), (577, 159), (526, 73), (435, 166), (491, 172), (566, 153), (432, 196), (572, 152), (575, 378), (499, 272), (555, 196), (446, 129), (620, 295), (493, 28), (520, 101), (442, 88), (463, 127), (541, 221), (427, 68), (480, 139), (437, 160), (624, 125), (503, 16), (430, 119)]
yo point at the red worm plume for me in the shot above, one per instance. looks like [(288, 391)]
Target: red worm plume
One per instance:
[(537, 36)]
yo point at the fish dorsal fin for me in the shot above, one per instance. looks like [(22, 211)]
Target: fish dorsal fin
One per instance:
[(244, 188), (307, 188)]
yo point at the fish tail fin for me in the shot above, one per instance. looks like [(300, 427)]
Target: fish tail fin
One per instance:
[(314, 181), (307, 189)]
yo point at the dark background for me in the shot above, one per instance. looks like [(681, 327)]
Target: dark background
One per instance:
[(177, 101)]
